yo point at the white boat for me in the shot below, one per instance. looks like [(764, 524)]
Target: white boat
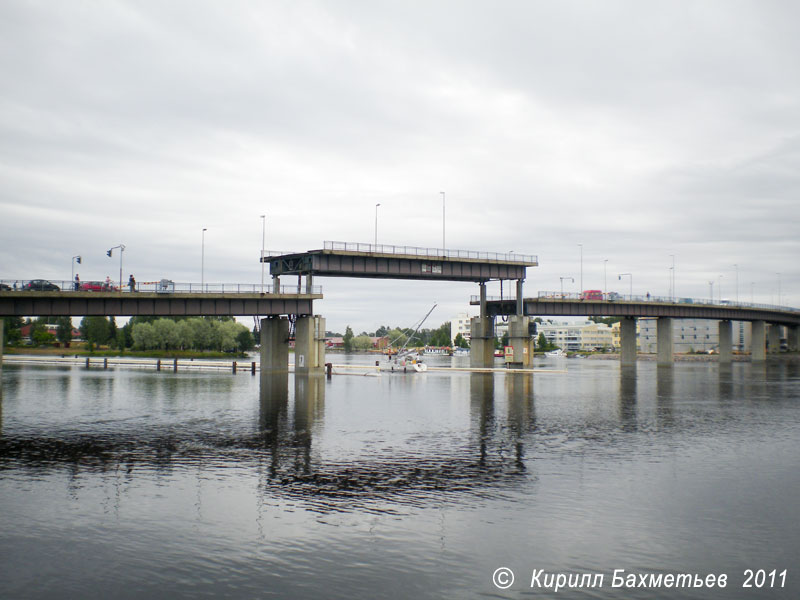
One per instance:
[(558, 353), (407, 361)]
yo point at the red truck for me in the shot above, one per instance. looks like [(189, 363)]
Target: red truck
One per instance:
[(591, 295)]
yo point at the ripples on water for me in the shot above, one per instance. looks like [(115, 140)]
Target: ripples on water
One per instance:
[(134, 484)]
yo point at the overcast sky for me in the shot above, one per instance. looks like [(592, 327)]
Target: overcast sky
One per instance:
[(637, 129)]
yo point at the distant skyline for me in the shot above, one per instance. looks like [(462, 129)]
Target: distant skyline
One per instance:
[(622, 131)]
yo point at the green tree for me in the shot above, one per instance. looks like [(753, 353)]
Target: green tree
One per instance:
[(347, 339), (166, 332), (144, 336), (64, 330), (461, 341), (95, 330), (12, 330), (542, 343), (245, 340), (362, 342)]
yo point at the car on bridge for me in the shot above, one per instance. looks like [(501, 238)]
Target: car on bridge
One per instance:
[(40, 285), (591, 295), (97, 286), (611, 296)]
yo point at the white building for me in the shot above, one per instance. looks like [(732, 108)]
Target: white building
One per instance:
[(691, 335), (582, 336), (460, 324)]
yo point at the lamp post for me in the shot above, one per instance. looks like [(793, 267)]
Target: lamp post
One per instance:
[(620, 276), (719, 290), (263, 241), (444, 247), (672, 279), (572, 279), (711, 290), (203, 260), (736, 269), (75, 259), (605, 277), (376, 225), (581, 247), (121, 250)]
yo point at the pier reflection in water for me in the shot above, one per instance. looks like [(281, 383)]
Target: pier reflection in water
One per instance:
[(158, 485)]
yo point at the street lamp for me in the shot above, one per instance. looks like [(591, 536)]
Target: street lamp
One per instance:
[(444, 247), (581, 247), (75, 259), (736, 268), (673, 294), (711, 290), (605, 277), (121, 250), (572, 279), (376, 225), (263, 241), (719, 289), (203, 260), (620, 276)]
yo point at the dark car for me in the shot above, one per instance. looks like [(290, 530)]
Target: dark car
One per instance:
[(40, 285), (5, 287), (97, 286)]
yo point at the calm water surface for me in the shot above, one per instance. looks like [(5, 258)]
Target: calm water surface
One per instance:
[(136, 484)]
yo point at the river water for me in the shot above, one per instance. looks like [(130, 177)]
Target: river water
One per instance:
[(136, 484)]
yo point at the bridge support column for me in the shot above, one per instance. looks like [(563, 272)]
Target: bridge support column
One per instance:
[(774, 339), (792, 337), (725, 342), (758, 341), (309, 345), (276, 284), (520, 341), (274, 344), (627, 341), (481, 345), (663, 341), (520, 307), (2, 341)]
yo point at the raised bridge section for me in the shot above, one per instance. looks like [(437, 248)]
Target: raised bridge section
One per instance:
[(344, 259)]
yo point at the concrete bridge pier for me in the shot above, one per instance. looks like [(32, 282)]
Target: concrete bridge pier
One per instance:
[(774, 338), (481, 345), (309, 345), (627, 341), (792, 337), (758, 341), (663, 341), (725, 342), (274, 344), (2, 342), (520, 341)]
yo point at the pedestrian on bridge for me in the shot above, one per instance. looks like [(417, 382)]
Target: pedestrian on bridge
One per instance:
[(132, 283), (77, 282)]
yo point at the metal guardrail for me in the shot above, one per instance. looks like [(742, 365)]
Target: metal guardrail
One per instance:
[(615, 297), (162, 286), (416, 251)]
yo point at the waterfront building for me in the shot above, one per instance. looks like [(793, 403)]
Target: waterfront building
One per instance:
[(581, 336)]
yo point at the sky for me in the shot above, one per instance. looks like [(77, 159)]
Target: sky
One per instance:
[(622, 133)]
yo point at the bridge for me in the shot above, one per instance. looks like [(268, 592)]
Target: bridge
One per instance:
[(765, 319)]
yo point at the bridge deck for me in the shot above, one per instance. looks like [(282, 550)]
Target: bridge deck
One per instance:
[(69, 304), (545, 307), (339, 259)]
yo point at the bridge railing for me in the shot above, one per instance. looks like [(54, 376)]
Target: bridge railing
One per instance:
[(417, 251), (613, 296), (162, 286)]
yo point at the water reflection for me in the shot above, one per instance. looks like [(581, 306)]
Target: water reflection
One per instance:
[(665, 396), (627, 397)]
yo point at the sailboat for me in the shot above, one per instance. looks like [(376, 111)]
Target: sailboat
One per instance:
[(407, 361)]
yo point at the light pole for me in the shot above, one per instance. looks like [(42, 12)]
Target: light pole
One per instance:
[(444, 247), (672, 280), (376, 225), (736, 269), (203, 260), (581, 247), (630, 275), (572, 279), (719, 290), (121, 250), (263, 242), (711, 290), (605, 277), (75, 259)]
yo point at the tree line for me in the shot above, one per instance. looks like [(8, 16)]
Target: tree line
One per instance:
[(399, 337), (140, 333)]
